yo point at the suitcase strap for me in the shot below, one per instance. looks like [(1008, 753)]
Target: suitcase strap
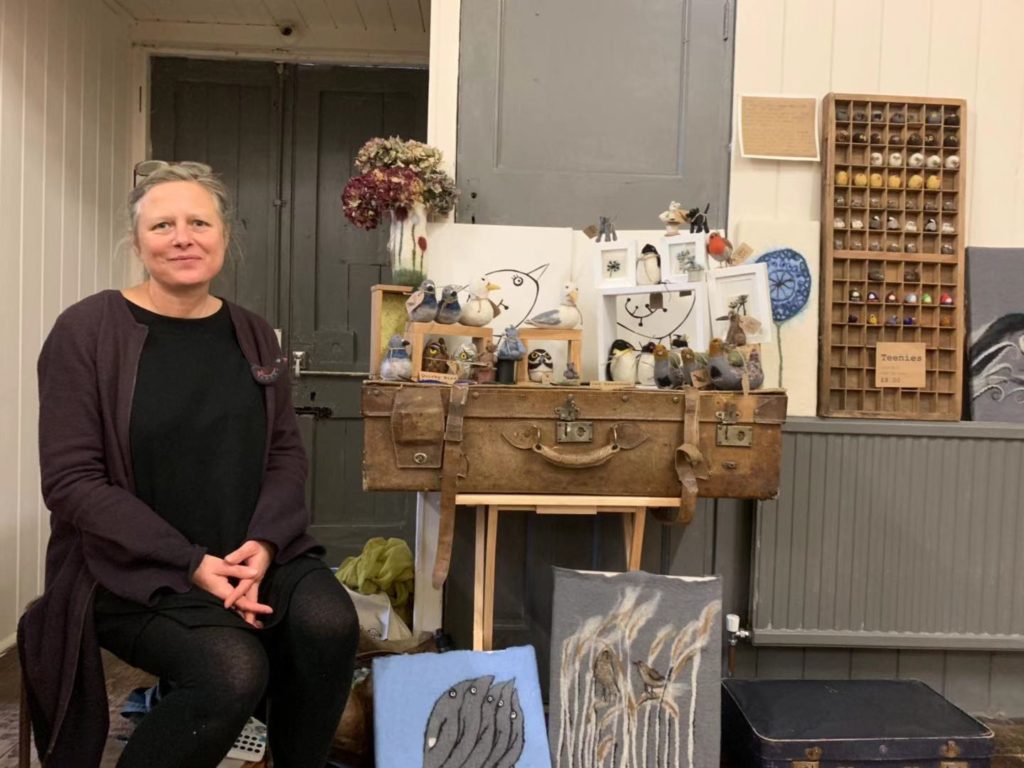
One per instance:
[(450, 469), (689, 462)]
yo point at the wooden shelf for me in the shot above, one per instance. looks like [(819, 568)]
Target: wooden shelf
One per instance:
[(893, 223)]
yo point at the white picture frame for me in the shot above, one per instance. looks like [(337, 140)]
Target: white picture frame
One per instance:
[(682, 255), (614, 321), (615, 264), (750, 280)]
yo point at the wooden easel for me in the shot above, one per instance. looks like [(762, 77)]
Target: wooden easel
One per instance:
[(489, 505)]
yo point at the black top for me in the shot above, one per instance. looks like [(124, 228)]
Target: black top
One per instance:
[(198, 428), (198, 437)]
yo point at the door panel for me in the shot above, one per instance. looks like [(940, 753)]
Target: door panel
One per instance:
[(334, 263), (228, 114), (284, 139)]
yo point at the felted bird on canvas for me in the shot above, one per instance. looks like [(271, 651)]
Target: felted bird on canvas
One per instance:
[(635, 670), (465, 709)]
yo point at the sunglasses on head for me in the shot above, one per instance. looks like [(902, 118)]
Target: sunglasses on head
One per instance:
[(144, 168)]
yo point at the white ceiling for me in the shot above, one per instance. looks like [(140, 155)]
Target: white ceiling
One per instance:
[(409, 16)]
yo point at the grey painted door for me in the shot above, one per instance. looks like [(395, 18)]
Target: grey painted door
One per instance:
[(576, 108), (284, 138)]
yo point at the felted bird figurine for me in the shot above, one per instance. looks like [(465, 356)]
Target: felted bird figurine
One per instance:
[(673, 218), (690, 363), (645, 365), (755, 373), (449, 308), (735, 336), (479, 310), (485, 362), (511, 347), (623, 365), (566, 316), (720, 249), (421, 306), (571, 375), (652, 679), (539, 366), (461, 363), (396, 365), (679, 342), (435, 357), (648, 266), (666, 375), (724, 373)]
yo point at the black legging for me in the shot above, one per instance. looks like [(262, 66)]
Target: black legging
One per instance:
[(218, 675)]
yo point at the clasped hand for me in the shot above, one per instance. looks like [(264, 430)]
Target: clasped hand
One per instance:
[(236, 579)]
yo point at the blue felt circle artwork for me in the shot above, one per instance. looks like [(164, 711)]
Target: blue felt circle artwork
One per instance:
[(789, 282)]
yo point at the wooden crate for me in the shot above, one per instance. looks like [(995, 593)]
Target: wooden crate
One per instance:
[(892, 262)]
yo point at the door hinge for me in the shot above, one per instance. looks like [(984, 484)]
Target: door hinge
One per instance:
[(726, 19)]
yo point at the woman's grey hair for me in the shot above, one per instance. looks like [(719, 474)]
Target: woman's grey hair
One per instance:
[(200, 173)]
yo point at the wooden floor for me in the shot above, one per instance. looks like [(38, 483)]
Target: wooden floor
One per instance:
[(121, 679)]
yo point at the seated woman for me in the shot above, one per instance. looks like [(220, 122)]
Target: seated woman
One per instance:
[(173, 469)]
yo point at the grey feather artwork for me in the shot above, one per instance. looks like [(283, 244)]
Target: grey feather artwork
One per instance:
[(475, 723), (635, 670)]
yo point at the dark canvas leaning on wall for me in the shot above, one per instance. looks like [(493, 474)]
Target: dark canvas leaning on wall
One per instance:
[(635, 670), (995, 334)]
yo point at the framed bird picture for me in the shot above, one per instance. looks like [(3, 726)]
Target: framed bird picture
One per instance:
[(616, 264), (740, 296), (684, 257), (635, 670), (463, 708)]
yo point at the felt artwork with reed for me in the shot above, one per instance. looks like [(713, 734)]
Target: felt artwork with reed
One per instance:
[(624, 709)]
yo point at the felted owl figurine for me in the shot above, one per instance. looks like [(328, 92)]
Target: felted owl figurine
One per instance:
[(435, 357), (539, 366), (461, 363)]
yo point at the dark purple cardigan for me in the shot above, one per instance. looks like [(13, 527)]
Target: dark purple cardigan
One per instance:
[(100, 532)]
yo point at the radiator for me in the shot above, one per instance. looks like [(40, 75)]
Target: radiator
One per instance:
[(894, 534)]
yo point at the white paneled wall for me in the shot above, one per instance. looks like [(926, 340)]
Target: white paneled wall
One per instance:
[(64, 175), (941, 48)]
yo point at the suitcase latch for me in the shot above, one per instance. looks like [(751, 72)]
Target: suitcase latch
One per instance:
[(730, 434), (813, 755), (568, 428)]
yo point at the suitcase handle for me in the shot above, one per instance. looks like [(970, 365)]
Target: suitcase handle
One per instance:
[(621, 437)]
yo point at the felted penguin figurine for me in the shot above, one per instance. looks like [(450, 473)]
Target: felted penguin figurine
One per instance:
[(648, 266), (396, 365), (645, 365), (623, 365), (421, 306), (617, 345), (539, 366)]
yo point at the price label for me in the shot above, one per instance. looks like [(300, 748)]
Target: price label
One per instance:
[(900, 365)]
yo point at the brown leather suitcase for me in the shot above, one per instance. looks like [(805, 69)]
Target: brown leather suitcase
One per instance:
[(573, 440)]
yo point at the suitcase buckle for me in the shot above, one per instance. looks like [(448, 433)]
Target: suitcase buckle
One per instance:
[(729, 435), (568, 428)]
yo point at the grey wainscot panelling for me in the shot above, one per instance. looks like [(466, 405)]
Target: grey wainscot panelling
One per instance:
[(893, 550), (577, 108)]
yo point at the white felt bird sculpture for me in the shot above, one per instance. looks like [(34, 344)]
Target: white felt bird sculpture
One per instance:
[(566, 316), (479, 310)]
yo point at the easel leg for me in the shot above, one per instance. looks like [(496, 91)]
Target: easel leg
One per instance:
[(492, 556), (478, 580), (633, 534)]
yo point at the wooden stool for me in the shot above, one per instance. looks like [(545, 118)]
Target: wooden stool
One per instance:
[(574, 354), (632, 508), (417, 334)]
